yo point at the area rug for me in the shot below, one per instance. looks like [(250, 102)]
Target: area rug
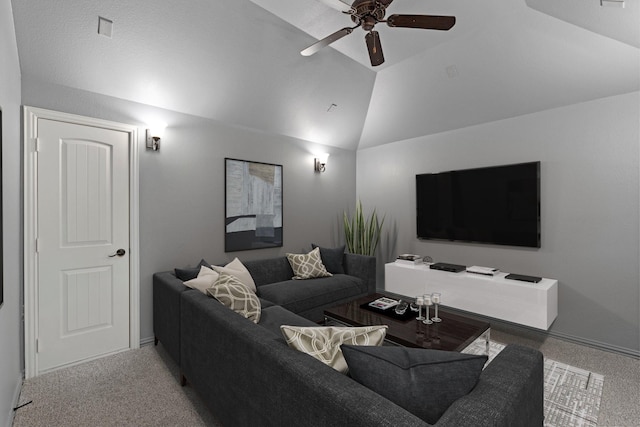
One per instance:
[(571, 395)]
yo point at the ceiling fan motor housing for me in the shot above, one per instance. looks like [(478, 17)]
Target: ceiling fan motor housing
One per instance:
[(368, 13)]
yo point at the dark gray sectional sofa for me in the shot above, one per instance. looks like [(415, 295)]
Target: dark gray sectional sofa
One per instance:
[(249, 376), (272, 276)]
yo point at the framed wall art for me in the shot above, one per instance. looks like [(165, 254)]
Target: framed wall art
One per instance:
[(253, 205)]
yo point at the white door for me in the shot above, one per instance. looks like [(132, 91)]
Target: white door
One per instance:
[(82, 216)]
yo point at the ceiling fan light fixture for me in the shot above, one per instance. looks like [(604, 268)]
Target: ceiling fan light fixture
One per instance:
[(375, 48)]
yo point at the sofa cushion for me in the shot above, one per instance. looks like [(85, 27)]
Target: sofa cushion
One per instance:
[(307, 266), (271, 270), (265, 303), (332, 258), (189, 273), (323, 342), (235, 295), (424, 382), (274, 316), (206, 278), (237, 269), (303, 295)]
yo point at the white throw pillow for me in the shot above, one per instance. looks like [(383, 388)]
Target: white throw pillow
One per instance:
[(206, 278), (237, 269)]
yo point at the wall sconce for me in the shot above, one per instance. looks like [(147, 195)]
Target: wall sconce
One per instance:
[(320, 162), (154, 134)]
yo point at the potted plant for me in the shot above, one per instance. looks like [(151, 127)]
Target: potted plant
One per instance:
[(362, 234)]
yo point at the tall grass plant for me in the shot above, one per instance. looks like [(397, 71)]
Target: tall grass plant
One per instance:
[(362, 234)]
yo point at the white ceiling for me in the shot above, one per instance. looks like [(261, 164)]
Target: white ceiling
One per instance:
[(237, 62), (619, 24)]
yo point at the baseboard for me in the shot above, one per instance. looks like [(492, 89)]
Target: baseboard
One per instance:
[(596, 344), (147, 341), (15, 401), (571, 338)]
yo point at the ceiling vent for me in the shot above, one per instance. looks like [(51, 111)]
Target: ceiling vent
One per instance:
[(105, 27), (612, 3)]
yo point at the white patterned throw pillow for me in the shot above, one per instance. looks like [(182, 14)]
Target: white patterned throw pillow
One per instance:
[(308, 266), (323, 342), (239, 298)]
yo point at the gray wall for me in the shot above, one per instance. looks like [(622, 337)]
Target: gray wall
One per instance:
[(590, 191), (10, 324), (182, 185)]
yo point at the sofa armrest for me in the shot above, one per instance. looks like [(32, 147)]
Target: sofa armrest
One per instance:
[(363, 267), (167, 289), (510, 392)]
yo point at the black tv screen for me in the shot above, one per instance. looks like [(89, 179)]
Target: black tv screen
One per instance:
[(496, 205)]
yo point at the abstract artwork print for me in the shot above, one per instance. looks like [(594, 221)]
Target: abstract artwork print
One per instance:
[(253, 208)]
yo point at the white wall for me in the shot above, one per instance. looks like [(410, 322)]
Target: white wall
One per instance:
[(590, 190), (182, 185), (10, 323)]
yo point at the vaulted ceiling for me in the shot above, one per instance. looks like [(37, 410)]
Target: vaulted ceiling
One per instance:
[(238, 61)]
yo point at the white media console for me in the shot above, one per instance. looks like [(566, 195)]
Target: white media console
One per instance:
[(530, 304)]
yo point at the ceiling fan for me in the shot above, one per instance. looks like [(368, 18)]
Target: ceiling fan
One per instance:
[(368, 13)]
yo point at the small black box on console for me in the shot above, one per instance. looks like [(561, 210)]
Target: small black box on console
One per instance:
[(443, 266), (523, 278)]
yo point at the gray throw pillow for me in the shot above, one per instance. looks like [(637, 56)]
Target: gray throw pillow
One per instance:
[(331, 258), (185, 274), (424, 382)]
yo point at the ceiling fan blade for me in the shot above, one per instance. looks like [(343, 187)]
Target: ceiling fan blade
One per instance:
[(375, 48), (326, 41), (427, 22), (342, 6)]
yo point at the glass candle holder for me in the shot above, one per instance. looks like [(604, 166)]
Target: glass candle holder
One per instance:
[(435, 298), (420, 303), (426, 299)]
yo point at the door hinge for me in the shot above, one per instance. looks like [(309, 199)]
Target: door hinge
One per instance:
[(37, 345), (37, 245), (36, 144)]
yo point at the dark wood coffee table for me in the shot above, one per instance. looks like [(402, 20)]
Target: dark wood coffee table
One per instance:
[(454, 333)]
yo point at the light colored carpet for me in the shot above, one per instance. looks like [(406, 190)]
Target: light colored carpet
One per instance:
[(140, 388), (134, 388), (571, 395)]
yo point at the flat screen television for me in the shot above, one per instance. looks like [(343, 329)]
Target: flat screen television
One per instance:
[(497, 205)]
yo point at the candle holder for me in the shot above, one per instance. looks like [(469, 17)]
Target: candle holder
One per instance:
[(420, 303), (435, 298), (426, 299)]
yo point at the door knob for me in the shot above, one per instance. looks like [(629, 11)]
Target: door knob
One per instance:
[(119, 252)]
